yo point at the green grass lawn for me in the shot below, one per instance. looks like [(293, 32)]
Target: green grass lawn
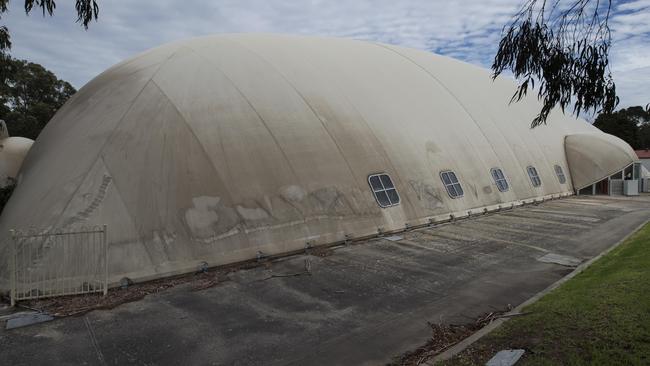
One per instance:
[(600, 317)]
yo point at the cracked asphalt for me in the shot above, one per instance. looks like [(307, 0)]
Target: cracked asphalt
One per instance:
[(363, 304)]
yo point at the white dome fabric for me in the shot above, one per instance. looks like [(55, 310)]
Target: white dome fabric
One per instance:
[(592, 156), (12, 153), (216, 148)]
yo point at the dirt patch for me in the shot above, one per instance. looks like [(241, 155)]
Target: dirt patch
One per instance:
[(79, 304), (444, 336), (320, 251)]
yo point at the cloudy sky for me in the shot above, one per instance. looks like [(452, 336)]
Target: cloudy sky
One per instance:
[(465, 29)]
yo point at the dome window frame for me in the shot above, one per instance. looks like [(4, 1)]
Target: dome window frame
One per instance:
[(559, 172), (452, 184), (500, 179), (535, 180), (384, 190)]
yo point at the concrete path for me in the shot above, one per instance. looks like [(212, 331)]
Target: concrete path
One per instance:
[(363, 304)]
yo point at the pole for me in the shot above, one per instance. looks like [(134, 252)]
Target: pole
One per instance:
[(14, 253), (105, 260)]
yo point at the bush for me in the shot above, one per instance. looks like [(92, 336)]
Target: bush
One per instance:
[(5, 194)]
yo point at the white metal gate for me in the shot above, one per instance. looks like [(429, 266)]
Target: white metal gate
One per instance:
[(59, 262)]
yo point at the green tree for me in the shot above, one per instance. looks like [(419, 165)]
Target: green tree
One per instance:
[(643, 121), (631, 125), (644, 136), (29, 96)]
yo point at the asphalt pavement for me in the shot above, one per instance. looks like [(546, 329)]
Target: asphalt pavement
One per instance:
[(363, 303)]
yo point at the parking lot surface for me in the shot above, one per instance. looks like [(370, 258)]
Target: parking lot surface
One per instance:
[(360, 304)]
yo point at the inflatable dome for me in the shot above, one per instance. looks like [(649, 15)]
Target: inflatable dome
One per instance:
[(217, 149)]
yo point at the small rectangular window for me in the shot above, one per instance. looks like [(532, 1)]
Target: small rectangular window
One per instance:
[(560, 174), (499, 179), (534, 177), (384, 190), (452, 184)]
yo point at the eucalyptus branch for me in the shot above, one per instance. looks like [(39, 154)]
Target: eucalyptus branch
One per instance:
[(87, 11), (564, 50)]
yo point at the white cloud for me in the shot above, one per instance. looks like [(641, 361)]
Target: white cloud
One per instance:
[(468, 30), (635, 5)]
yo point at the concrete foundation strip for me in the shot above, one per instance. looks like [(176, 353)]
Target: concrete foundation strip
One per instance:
[(467, 342)]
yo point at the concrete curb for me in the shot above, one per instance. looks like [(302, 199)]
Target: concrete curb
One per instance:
[(464, 344)]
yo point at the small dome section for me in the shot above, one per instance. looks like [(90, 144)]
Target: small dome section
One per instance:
[(12, 153), (594, 156)]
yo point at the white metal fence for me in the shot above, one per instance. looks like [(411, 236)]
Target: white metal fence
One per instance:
[(59, 262)]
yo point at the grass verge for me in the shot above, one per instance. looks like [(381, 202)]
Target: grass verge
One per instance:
[(600, 317)]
